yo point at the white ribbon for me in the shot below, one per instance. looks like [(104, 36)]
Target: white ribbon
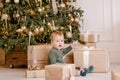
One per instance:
[(55, 9), (86, 37), (85, 58)]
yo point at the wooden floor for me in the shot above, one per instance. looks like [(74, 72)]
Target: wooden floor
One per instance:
[(19, 74)]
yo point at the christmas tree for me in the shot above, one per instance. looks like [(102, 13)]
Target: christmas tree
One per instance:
[(29, 22)]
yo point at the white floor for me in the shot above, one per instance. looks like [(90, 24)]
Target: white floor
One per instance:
[(19, 74)]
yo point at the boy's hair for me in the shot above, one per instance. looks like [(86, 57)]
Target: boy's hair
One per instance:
[(53, 35)]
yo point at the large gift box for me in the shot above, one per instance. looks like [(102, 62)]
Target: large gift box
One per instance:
[(95, 57), (60, 72), (35, 73), (115, 74), (89, 37), (37, 55)]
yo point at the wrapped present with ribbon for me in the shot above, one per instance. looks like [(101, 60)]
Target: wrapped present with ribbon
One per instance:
[(115, 74), (60, 72), (89, 37), (95, 57), (35, 73), (37, 55)]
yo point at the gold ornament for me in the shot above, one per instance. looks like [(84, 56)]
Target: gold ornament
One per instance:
[(7, 1), (4, 16), (16, 1), (1, 5), (40, 9), (32, 13), (19, 30), (62, 5), (67, 3), (72, 19), (41, 29), (36, 31), (76, 20), (17, 15), (69, 35)]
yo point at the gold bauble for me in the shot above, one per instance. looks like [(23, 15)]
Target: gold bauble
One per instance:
[(4, 16), (36, 31), (41, 29), (62, 5), (7, 1), (76, 20), (16, 1), (67, 3), (19, 30), (17, 15), (72, 19), (69, 35), (1, 5), (40, 9), (32, 13)]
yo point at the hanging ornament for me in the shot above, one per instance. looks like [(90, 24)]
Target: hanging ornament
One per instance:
[(55, 9), (23, 28), (4, 16), (1, 5), (41, 29), (16, 1), (68, 34), (17, 15), (62, 5), (40, 9), (7, 1), (76, 20), (32, 13), (36, 31), (19, 31), (67, 3), (72, 19)]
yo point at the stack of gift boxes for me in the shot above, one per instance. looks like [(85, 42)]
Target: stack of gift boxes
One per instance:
[(81, 56)]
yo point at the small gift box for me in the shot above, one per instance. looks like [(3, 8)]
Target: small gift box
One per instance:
[(97, 58), (89, 37), (115, 74), (35, 73), (60, 72)]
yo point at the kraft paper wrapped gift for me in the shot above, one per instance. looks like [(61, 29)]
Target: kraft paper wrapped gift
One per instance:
[(2, 57), (89, 37), (37, 55), (60, 72), (35, 73), (115, 74), (96, 57)]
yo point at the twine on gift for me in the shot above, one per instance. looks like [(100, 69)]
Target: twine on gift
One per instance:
[(71, 76), (85, 58), (55, 9)]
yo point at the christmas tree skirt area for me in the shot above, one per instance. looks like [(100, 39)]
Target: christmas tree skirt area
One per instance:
[(17, 59)]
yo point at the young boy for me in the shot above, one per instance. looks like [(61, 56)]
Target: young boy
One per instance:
[(58, 51)]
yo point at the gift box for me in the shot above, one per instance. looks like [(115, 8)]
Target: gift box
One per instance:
[(115, 74), (60, 72), (2, 57), (37, 55), (89, 37), (95, 57), (35, 73)]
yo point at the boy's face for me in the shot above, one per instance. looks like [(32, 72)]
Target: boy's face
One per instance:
[(58, 42)]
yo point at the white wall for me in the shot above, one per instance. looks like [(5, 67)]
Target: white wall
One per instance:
[(103, 18)]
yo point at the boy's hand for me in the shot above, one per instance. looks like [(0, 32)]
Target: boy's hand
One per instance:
[(74, 43)]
